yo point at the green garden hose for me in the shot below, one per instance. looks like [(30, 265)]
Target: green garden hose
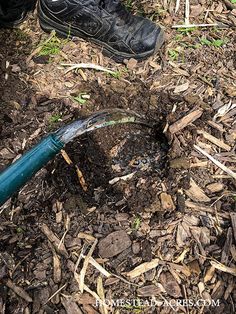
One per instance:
[(22, 170)]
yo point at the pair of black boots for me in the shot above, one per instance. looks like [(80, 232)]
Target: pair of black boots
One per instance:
[(104, 22)]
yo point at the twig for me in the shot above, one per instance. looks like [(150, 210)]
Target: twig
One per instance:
[(54, 240), (102, 270), (177, 6), (216, 162), (85, 266), (18, 290), (67, 226), (87, 66), (214, 140), (101, 294), (55, 293), (187, 10), (80, 257), (194, 25)]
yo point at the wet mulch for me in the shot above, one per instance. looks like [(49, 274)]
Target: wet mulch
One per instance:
[(151, 228)]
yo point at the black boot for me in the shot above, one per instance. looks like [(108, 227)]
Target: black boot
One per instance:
[(104, 22), (13, 12)]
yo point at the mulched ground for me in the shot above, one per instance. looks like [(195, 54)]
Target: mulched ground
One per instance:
[(163, 238)]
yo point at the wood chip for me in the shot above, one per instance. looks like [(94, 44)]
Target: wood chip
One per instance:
[(181, 269), (215, 187), (233, 222), (115, 243), (216, 162), (229, 289), (56, 265), (207, 209), (181, 257), (214, 140), (85, 266), (201, 287), (226, 249), (70, 305), (131, 63), (185, 121), (233, 252), (166, 202), (84, 298), (18, 290), (179, 163), (66, 157), (60, 248), (78, 171), (209, 274), (81, 179), (151, 290), (101, 294), (86, 236), (196, 193), (181, 88), (224, 268), (124, 178), (143, 268), (181, 235), (194, 267), (170, 285), (217, 126), (88, 309)]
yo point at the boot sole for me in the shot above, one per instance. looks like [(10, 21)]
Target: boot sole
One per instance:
[(49, 25)]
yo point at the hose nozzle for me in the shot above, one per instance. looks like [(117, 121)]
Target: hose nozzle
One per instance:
[(98, 120)]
